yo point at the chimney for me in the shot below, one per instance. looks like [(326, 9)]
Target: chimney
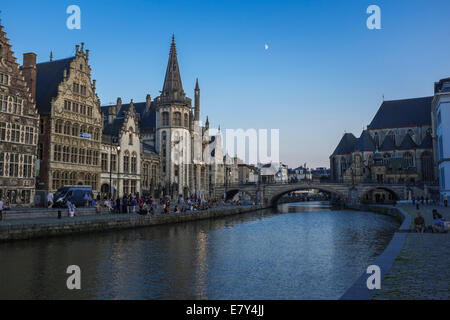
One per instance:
[(29, 72), (119, 103), (148, 102)]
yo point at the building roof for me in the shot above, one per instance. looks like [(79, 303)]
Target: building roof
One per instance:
[(148, 148), (346, 145), (388, 144), (113, 129), (403, 113), (365, 142), (48, 77), (173, 87), (407, 143), (427, 142), (146, 118)]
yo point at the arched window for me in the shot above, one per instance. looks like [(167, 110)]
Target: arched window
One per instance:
[(134, 163), (427, 166), (56, 182), (126, 162), (83, 129), (145, 177), (58, 126), (130, 137), (97, 135), (186, 120), (67, 128), (165, 118), (164, 144), (75, 130), (177, 119)]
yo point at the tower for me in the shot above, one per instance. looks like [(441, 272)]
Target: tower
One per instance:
[(197, 101), (173, 123)]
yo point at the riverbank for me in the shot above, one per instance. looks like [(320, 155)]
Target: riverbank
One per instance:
[(413, 266), (23, 228)]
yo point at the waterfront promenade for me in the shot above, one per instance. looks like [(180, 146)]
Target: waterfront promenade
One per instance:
[(421, 270)]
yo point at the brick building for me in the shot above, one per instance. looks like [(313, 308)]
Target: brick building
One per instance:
[(70, 125), (19, 122)]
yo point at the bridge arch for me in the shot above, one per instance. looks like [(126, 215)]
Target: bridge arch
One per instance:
[(230, 194), (380, 194), (276, 195)]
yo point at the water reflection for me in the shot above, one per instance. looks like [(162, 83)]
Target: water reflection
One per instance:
[(299, 251)]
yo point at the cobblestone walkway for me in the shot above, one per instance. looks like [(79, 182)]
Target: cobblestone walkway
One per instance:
[(422, 269)]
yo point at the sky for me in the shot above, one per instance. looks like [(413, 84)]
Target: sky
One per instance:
[(322, 73)]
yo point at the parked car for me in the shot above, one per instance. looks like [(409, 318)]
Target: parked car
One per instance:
[(75, 194)]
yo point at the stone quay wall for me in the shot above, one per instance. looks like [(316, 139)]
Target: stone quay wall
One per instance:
[(40, 228)]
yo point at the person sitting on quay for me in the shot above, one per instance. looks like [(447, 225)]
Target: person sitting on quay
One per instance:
[(438, 222), (419, 223)]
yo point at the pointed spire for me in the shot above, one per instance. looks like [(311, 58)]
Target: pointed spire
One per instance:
[(131, 109), (173, 87), (207, 122), (197, 101), (51, 56)]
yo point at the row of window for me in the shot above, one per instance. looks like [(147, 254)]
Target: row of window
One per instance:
[(80, 89), (75, 155), (15, 133), (149, 177), (75, 130), (10, 165), (77, 108), (177, 119), (129, 186), (11, 104), (64, 178)]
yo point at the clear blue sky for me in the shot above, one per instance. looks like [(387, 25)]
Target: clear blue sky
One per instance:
[(324, 72)]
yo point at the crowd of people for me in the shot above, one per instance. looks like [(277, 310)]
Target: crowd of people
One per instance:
[(134, 204)]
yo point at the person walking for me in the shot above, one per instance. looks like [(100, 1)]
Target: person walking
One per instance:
[(86, 200), (118, 205), (50, 200), (445, 200)]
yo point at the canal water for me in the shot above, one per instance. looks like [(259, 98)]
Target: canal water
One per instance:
[(297, 251)]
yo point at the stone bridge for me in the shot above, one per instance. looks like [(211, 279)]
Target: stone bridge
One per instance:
[(349, 193)]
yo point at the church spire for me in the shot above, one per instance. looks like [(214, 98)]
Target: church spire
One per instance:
[(173, 87), (197, 101)]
